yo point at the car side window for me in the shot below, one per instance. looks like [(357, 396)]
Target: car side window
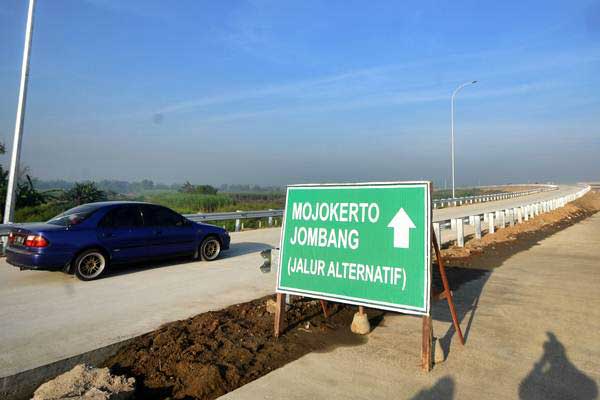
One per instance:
[(122, 217), (161, 216)]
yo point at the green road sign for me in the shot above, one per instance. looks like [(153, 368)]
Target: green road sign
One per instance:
[(366, 244)]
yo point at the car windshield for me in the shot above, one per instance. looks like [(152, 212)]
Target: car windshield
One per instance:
[(75, 215)]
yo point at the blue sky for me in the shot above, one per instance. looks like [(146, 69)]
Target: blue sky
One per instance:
[(277, 92)]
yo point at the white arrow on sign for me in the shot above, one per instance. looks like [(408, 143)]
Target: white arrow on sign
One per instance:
[(401, 223)]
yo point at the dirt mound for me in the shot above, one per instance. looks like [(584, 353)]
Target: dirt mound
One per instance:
[(211, 354), (491, 250), (88, 383)]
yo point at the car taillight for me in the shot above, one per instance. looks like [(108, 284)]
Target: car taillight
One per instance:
[(11, 238), (36, 241)]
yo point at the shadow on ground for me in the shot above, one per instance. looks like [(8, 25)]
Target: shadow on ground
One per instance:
[(235, 250), (554, 376), (442, 390)]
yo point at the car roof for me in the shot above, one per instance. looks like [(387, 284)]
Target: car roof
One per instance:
[(116, 202)]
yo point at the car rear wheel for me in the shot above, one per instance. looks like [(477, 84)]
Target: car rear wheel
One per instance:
[(210, 249), (89, 265)]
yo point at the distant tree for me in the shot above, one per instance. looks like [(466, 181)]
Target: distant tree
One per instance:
[(28, 196), (187, 187), (206, 189), (84, 192), (147, 184)]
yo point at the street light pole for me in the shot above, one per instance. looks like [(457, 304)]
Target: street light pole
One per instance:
[(11, 190), (452, 128)]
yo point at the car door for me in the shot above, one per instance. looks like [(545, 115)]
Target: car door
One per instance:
[(171, 233), (122, 232)]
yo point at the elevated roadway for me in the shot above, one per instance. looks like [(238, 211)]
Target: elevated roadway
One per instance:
[(49, 316)]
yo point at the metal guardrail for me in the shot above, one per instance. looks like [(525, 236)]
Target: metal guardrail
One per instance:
[(499, 218), (459, 201), (228, 216)]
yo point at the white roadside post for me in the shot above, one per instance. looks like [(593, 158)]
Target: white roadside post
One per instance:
[(238, 223), (11, 190), (477, 221), (460, 233), (438, 232), (491, 226)]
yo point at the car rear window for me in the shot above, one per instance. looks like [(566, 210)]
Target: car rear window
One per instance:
[(75, 215)]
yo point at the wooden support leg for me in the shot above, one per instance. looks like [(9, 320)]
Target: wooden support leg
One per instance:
[(361, 310), (324, 307), (447, 291), (426, 347), (279, 314)]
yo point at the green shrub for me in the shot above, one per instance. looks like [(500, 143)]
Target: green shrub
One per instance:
[(40, 213)]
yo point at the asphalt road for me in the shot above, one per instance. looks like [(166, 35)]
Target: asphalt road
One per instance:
[(49, 316)]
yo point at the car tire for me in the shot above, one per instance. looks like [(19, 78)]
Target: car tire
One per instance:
[(90, 265), (210, 248)]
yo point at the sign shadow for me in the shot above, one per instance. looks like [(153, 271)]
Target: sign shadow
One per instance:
[(442, 390), (466, 285)]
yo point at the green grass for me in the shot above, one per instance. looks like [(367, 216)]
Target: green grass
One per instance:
[(39, 213), (189, 203)]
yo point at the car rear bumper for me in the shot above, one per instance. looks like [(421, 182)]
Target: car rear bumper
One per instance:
[(26, 259)]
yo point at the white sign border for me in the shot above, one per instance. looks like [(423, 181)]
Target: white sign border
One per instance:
[(354, 300)]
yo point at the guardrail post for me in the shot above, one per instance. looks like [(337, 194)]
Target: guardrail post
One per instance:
[(502, 219), (511, 217), (525, 213), (491, 225), (238, 223), (453, 224), (438, 232), (477, 220), (270, 218), (485, 217), (460, 233)]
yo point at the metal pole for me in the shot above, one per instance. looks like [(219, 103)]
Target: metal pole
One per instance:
[(9, 209), (452, 140), (452, 129)]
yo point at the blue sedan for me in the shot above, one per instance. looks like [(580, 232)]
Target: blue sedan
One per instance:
[(87, 239)]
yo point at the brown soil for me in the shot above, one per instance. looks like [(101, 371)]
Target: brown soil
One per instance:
[(208, 355), (213, 353), (491, 250)]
